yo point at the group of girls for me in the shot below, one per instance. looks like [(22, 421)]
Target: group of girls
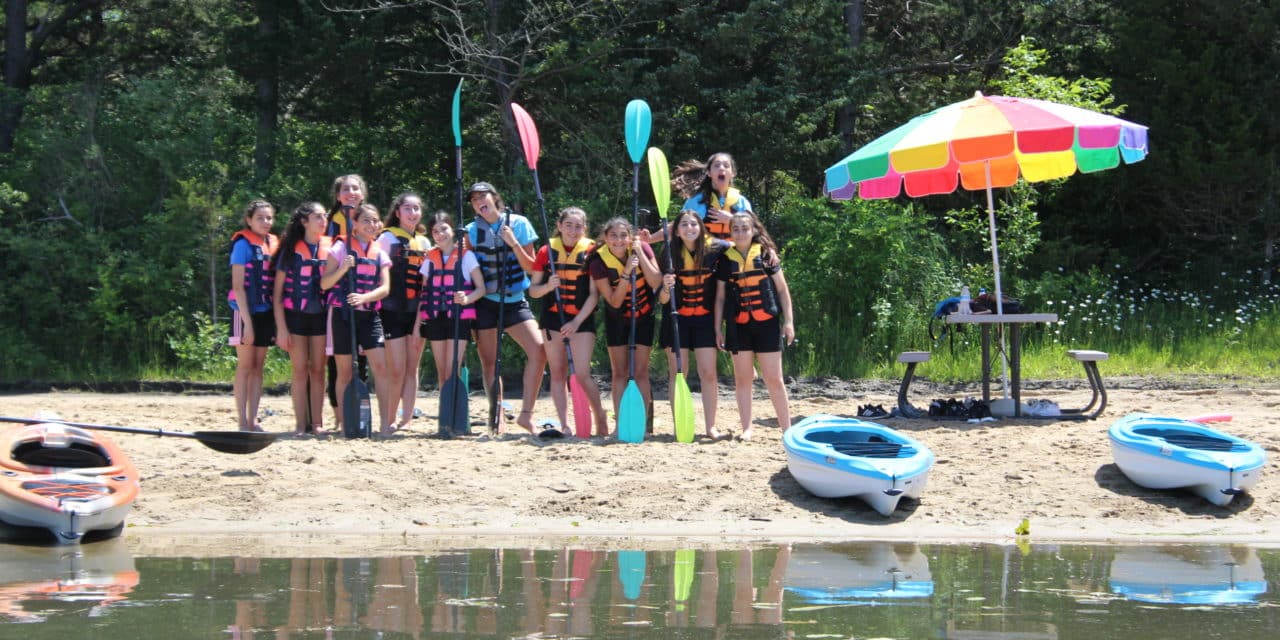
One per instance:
[(720, 268)]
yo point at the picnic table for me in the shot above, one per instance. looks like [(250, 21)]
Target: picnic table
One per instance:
[(1014, 321)]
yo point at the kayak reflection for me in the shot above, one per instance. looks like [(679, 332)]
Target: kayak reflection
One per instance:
[(37, 583), (1188, 574), (853, 573)]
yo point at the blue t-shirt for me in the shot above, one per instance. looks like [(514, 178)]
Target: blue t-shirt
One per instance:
[(242, 253), (696, 203), (525, 234)]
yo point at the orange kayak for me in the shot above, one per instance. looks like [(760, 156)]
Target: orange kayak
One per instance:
[(70, 481)]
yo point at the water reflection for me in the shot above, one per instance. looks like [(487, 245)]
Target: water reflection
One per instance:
[(893, 590), (855, 573), (37, 582), (1188, 574)]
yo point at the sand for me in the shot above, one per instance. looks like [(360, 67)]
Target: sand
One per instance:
[(417, 492)]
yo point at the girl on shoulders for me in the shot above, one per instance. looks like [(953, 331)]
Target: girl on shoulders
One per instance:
[(611, 267), (452, 279), (299, 309), (753, 299), (571, 316), (252, 322), (406, 246), (688, 268), (359, 305), (499, 237)]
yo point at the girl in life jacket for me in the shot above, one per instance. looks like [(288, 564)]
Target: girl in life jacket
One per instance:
[(500, 237), (753, 300), (360, 306), (299, 309), (708, 190), (348, 193), (252, 323), (570, 316), (451, 282), (622, 255), (406, 246), (688, 265)]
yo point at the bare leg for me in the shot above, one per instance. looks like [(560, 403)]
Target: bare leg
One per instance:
[(553, 346), (618, 369), (299, 357), (414, 346), (583, 344), (394, 358), (706, 359), (387, 392), (771, 371), (529, 337), (743, 374), (342, 364), (316, 360)]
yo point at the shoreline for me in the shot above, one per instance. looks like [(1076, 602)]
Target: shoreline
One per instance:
[(414, 491)]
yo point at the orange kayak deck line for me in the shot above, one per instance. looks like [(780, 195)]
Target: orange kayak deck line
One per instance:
[(68, 480)]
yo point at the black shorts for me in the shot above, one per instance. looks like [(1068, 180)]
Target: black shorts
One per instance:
[(757, 336), (550, 322), (695, 332), (264, 328), (397, 324), (368, 331), (442, 329), (513, 314), (305, 324), (617, 331)]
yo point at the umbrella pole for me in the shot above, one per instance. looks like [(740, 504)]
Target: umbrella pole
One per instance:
[(995, 260)]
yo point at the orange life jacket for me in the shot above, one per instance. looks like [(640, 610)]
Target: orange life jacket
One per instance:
[(695, 287), (750, 290), (575, 282), (406, 256)]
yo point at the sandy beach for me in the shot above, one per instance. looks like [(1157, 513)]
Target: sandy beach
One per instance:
[(415, 491)]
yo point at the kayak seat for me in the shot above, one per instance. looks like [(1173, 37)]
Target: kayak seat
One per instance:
[(75, 456), (1192, 440)]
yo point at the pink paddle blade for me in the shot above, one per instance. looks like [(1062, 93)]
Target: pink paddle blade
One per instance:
[(581, 408), (528, 135)]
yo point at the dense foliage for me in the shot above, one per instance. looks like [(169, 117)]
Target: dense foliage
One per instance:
[(132, 131)]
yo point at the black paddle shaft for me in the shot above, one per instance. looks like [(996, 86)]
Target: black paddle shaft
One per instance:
[(635, 225), (495, 385), (675, 306), (351, 317)]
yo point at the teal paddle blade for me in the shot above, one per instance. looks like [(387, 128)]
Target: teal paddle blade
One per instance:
[(639, 120), (631, 573), (682, 406), (457, 115), (462, 415), (631, 414)]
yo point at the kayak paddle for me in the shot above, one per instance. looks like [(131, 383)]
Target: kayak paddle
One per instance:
[(631, 409), (495, 385), (454, 417), (225, 441), (357, 414), (529, 139), (681, 398), (682, 575)]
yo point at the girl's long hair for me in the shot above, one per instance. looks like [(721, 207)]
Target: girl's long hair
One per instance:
[(691, 177), (337, 187), (295, 231), (758, 233), (393, 213), (699, 252)]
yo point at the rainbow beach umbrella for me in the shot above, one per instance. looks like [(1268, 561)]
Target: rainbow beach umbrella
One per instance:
[(986, 142)]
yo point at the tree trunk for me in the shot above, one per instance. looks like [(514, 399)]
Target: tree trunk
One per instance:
[(17, 72), (266, 94), (847, 115)]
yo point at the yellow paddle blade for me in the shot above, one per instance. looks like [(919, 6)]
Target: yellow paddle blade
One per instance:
[(682, 406)]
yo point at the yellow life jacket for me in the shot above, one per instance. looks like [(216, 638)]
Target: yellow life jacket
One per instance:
[(644, 295), (730, 200), (696, 292)]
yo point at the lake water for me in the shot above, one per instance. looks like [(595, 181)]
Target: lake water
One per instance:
[(856, 590)]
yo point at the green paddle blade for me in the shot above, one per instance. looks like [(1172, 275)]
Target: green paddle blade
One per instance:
[(631, 416), (683, 574), (660, 180), (682, 406)]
